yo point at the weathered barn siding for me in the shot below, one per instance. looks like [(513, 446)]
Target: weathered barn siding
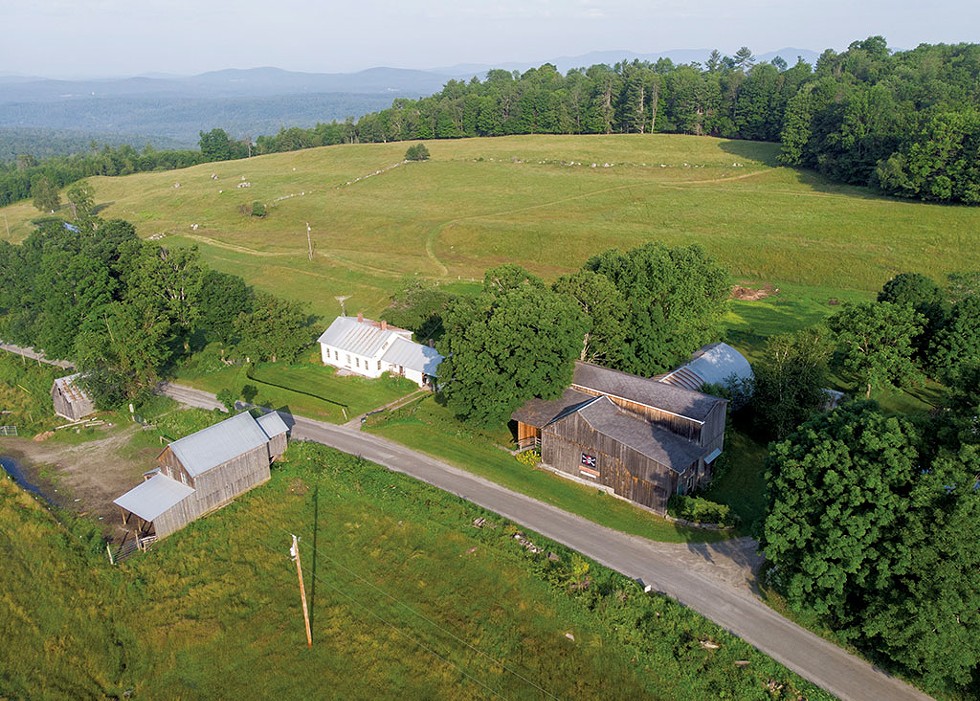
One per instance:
[(176, 517), (713, 433), (171, 467), (221, 484), (69, 400), (277, 446), (629, 473)]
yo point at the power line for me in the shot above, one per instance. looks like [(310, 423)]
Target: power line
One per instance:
[(395, 628), (434, 624)]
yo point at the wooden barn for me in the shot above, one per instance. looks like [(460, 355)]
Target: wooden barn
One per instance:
[(204, 471), (645, 439), (70, 400)]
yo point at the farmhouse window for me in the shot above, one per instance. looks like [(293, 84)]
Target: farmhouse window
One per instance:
[(357, 362), (348, 359), (379, 365), (336, 355)]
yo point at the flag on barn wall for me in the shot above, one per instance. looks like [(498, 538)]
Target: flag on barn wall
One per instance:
[(588, 466)]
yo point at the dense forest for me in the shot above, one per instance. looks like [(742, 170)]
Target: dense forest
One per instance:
[(907, 123)]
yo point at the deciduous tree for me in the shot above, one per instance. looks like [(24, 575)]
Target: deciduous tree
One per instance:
[(874, 342)]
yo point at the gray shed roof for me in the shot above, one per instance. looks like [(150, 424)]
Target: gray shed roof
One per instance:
[(201, 451), (541, 412), (360, 337), (652, 441), (154, 496), (70, 389), (272, 424), (676, 400), (712, 364), (414, 356)]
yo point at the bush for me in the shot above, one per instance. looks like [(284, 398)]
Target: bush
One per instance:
[(701, 510), (258, 209), (531, 458), (418, 152)]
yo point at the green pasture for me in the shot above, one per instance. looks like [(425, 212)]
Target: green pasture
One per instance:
[(533, 200), (213, 611)]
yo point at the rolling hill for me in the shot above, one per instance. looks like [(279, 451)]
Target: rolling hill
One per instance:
[(545, 202)]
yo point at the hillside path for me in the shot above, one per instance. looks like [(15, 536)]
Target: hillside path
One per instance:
[(711, 578)]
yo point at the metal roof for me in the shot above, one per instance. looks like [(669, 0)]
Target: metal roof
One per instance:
[(414, 356), (713, 365), (201, 451), (659, 395), (361, 337), (647, 439), (154, 496), (272, 424)]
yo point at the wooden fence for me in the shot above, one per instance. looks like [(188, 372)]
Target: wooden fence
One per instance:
[(8, 430)]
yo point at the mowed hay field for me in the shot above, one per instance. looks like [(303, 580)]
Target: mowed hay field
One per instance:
[(545, 202)]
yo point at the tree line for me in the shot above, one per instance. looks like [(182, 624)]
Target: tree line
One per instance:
[(907, 122), (126, 311), (641, 311)]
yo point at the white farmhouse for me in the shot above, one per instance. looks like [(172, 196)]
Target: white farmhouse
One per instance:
[(372, 348)]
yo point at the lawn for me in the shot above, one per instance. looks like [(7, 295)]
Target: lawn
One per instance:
[(213, 611), (308, 389)]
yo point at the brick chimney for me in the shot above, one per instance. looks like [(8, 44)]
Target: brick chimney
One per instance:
[(384, 325), (360, 317)]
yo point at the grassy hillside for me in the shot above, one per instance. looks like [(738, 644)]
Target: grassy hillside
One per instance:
[(213, 611), (534, 200)]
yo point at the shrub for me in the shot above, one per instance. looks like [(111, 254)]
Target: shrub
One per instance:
[(701, 510), (417, 152), (531, 458)]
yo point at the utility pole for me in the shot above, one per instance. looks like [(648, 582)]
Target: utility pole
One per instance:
[(294, 552), (309, 241)]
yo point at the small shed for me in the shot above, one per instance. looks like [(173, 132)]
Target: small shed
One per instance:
[(70, 400), (715, 364)]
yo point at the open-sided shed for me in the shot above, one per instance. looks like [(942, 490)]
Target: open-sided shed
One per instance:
[(204, 471), (70, 399)]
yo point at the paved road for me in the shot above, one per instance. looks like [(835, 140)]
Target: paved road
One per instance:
[(671, 569), (34, 355)]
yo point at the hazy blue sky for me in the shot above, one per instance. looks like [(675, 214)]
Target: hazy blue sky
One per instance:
[(68, 38)]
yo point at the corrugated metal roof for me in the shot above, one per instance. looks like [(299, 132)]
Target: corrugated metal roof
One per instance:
[(676, 400), (154, 496), (647, 439), (272, 424), (414, 356), (364, 338), (201, 451), (713, 364)]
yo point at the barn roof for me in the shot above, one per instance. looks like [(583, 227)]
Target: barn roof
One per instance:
[(360, 336), (272, 424), (647, 439), (154, 496), (713, 364), (541, 412), (676, 400), (70, 389), (414, 356), (201, 451)]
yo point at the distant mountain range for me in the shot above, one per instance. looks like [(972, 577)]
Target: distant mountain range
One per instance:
[(166, 109)]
